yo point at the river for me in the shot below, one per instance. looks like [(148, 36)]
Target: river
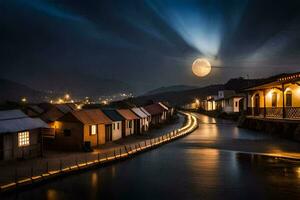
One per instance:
[(217, 161)]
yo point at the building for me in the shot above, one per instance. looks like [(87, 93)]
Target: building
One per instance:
[(276, 98), (52, 112), (116, 123), (231, 104), (20, 135), (82, 129), (170, 109), (209, 104), (143, 120), (148, 115), (131, 122), (157, 113)]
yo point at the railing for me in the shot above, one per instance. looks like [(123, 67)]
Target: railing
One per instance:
[(275, 112), (292, 112), (39, 169)]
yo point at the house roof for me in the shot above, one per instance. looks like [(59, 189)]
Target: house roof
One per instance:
[(127, 114), (145, 111), (154, 109), (92, 116), (11, 114), (232, 96), (64, 108), (36, 109), (139, 112), (54, 111), (277, 80), (163, 106), (113, 115), (12, 121)]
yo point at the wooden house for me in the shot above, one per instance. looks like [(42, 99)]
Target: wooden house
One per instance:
[(130, 122), (116, 123), (157, 113), (20, 135), (82, 129), (143, 120), (148, 115)]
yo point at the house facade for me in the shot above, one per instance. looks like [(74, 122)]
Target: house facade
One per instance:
[(20, 135), (278, 97), (82, 129), (116, 123), (130, 122), (156, 112), (144, 123)]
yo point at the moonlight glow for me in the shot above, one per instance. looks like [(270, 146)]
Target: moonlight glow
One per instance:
[(201, 67)]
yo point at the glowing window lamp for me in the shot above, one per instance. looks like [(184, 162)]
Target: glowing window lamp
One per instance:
[(23, 139)]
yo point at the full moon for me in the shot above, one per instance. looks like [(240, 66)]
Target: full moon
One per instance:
[(201, 67)]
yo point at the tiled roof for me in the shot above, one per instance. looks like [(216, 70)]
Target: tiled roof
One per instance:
[(127, 114), (154, 109), (139, 112), (92, 116), (15, 120), (113, 115)]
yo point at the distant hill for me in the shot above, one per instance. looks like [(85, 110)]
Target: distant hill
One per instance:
[(13, 91), (173, 88), (177, 98)]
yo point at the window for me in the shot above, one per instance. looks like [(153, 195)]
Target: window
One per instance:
[(114, 126), (289, 101), (93, 129), (236, 104), (23, 139), (67, 132), (118, 126), (274, 99), (129, 124)]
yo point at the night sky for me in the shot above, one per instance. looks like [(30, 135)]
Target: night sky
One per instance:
[(146, 43)]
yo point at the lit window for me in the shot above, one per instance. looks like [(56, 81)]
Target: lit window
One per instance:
[(23, 139), (93, 129)]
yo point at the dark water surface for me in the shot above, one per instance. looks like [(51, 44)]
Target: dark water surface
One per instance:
[(204, 165)]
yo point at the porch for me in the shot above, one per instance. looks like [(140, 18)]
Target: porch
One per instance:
[(288, 113), (278, 98)]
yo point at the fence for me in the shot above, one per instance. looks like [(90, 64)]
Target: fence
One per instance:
[(42, 169)]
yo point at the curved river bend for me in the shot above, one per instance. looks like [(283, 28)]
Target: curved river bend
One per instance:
[(210, 163)]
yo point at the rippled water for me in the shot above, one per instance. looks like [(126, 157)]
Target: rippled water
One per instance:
[(204, 165)]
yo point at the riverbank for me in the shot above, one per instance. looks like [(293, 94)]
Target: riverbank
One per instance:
[(97, 159), (240, 140)]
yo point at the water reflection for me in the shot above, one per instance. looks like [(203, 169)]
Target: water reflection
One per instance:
[(204, 165)]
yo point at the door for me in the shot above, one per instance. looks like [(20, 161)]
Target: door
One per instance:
[(241, 105), (108, 133), (1, 148), (124, 128), (256, 105)]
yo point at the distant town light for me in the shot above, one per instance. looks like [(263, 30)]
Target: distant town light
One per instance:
[(67, 96), (60, 100), (24, 99)]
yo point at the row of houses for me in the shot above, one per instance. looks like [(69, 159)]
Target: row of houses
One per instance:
[(277, 97), (65, 127)]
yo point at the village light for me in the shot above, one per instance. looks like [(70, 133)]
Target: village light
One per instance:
[(60, 100), (67, 96), (24, 100)]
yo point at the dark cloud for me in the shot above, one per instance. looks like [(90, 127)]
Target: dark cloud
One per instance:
[(147, 43)]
